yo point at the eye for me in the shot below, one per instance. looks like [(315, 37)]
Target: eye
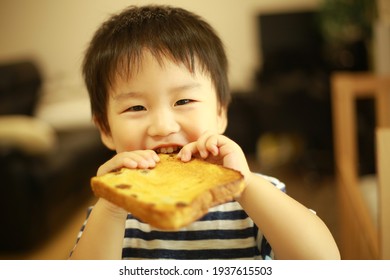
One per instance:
[(183, 102), (136, 108)]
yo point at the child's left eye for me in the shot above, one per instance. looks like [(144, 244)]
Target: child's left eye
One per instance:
[(183, 102)]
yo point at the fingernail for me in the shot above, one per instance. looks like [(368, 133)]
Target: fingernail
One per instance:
[(185, 157)]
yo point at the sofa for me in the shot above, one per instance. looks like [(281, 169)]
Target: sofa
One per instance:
[(44, 171)]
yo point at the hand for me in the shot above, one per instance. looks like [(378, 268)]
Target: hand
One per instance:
[(141, 159), (219, 149), (135, 159)]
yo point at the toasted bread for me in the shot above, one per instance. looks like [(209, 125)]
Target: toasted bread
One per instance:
[(171, 195)]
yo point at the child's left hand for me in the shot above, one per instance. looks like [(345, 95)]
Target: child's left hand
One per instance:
[(218, 149)]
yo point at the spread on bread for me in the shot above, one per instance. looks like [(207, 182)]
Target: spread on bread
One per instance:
[(171, 195)]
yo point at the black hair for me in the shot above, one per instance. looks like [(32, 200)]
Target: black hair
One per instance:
[(167, 32)]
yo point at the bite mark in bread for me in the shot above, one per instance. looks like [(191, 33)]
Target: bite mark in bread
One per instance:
[(173, 194)]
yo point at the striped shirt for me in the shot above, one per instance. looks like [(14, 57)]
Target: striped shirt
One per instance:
[(225, 232)]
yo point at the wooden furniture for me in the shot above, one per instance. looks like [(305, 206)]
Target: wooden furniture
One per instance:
[(383, 144), (360, 236)]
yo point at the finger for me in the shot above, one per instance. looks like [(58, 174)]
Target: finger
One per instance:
[(187, 151), (201, 144), (141, 159), (212, 144), (115, 163), (135, 159)]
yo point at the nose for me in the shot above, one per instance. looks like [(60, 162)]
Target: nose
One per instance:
[(163, 123)]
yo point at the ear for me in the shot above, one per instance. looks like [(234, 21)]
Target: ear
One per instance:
[(222, 120), (105, 136)]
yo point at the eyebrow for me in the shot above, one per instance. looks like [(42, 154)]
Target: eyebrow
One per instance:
[(125, 95), (138, 94)]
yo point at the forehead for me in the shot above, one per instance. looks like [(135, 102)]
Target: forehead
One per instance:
[(128, 67)]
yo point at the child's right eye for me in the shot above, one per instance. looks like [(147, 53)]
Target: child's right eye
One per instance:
[(136, 108)]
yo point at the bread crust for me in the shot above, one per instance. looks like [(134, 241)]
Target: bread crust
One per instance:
[(173, 194)]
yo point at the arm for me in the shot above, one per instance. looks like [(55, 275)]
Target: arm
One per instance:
[(103, 235), (293, 231)]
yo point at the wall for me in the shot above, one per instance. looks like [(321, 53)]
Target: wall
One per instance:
[(55, 34), (382, 38)]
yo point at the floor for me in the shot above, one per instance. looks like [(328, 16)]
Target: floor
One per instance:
[(315, 192)]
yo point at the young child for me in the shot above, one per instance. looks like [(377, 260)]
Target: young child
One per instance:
[(157, 79)]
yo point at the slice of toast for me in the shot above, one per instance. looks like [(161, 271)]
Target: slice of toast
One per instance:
[(173, 194)]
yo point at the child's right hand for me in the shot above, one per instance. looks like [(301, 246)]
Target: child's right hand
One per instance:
[(133, 160)]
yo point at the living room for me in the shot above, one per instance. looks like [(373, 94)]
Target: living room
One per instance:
[(288, 136)]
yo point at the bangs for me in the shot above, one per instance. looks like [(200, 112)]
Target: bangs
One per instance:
[(130, 65)]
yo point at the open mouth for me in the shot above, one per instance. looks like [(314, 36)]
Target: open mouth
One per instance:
[(168, 150)]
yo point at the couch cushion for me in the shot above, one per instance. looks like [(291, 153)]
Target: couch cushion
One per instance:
[(27, 134)]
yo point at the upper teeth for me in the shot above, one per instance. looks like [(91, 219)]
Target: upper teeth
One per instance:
[(167, 150)]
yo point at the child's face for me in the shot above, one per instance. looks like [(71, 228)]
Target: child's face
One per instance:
[(161, 106)]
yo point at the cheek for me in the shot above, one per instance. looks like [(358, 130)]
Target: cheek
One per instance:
[(199, 124), (125, 139), (124, 144)]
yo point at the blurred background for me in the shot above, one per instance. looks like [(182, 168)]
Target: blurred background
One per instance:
[(282, 55)]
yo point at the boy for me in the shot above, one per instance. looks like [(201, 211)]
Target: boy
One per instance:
[(157, 79)]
